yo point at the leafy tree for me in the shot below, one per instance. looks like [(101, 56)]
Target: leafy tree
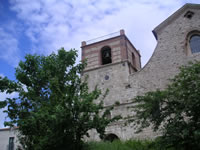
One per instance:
[(175, 111), (53, 108)]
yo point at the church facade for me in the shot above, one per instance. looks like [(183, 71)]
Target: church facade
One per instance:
[(114, 64)]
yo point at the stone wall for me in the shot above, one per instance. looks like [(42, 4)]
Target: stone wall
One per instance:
[(171, 52)]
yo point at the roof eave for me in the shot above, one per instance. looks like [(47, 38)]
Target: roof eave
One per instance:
[(173, 16)]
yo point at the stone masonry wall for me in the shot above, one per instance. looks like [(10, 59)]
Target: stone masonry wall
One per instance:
[(171, 52)]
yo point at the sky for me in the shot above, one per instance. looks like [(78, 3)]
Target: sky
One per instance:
[(44, 26)]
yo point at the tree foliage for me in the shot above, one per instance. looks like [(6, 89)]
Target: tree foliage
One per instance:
[(53, 108), (175, 111)]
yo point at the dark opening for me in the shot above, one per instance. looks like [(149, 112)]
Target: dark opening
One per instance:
[(11, 143), (108, 116), (106, 55), (111, 137), (133, 59), (189, 14), (134, 62)]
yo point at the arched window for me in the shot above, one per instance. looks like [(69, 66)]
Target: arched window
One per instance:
[(195, 43), (106, 55)]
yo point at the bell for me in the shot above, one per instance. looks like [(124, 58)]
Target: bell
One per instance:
[(107, 55)]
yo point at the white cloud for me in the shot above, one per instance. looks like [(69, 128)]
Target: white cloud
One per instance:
[(9, 48), (53, 24)]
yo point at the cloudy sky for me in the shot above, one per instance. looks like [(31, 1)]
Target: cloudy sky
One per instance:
[(44, 26)]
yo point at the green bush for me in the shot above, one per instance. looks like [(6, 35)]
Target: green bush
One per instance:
[(173, 111), (128, 145), (115, 145), (138, 144)]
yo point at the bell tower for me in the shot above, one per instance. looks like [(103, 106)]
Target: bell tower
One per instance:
[(110, 49), (110, 61)]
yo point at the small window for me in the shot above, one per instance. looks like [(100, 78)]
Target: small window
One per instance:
[(189, 14), (195, 43), (108, 116), (11, 143), (133, 60), (106, 55)]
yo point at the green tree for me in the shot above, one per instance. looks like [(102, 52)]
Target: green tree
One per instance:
[(174, 111), (53, 108)]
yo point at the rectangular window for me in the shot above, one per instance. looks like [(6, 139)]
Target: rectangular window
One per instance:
[(11, 143)]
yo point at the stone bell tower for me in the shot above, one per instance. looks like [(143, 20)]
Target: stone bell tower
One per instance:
[(110, 61)]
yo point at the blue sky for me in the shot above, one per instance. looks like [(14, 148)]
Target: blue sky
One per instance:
[(44, 26)]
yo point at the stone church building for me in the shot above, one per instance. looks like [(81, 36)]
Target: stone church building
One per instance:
[(114, 63)]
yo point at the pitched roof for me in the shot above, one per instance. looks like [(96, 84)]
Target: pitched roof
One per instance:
[(174, 16)]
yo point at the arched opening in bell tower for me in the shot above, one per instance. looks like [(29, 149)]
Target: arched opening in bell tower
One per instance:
[(106, 56)]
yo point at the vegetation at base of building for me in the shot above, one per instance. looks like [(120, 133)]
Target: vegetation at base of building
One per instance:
[(174, 111), (53, 108), (127, 145)]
